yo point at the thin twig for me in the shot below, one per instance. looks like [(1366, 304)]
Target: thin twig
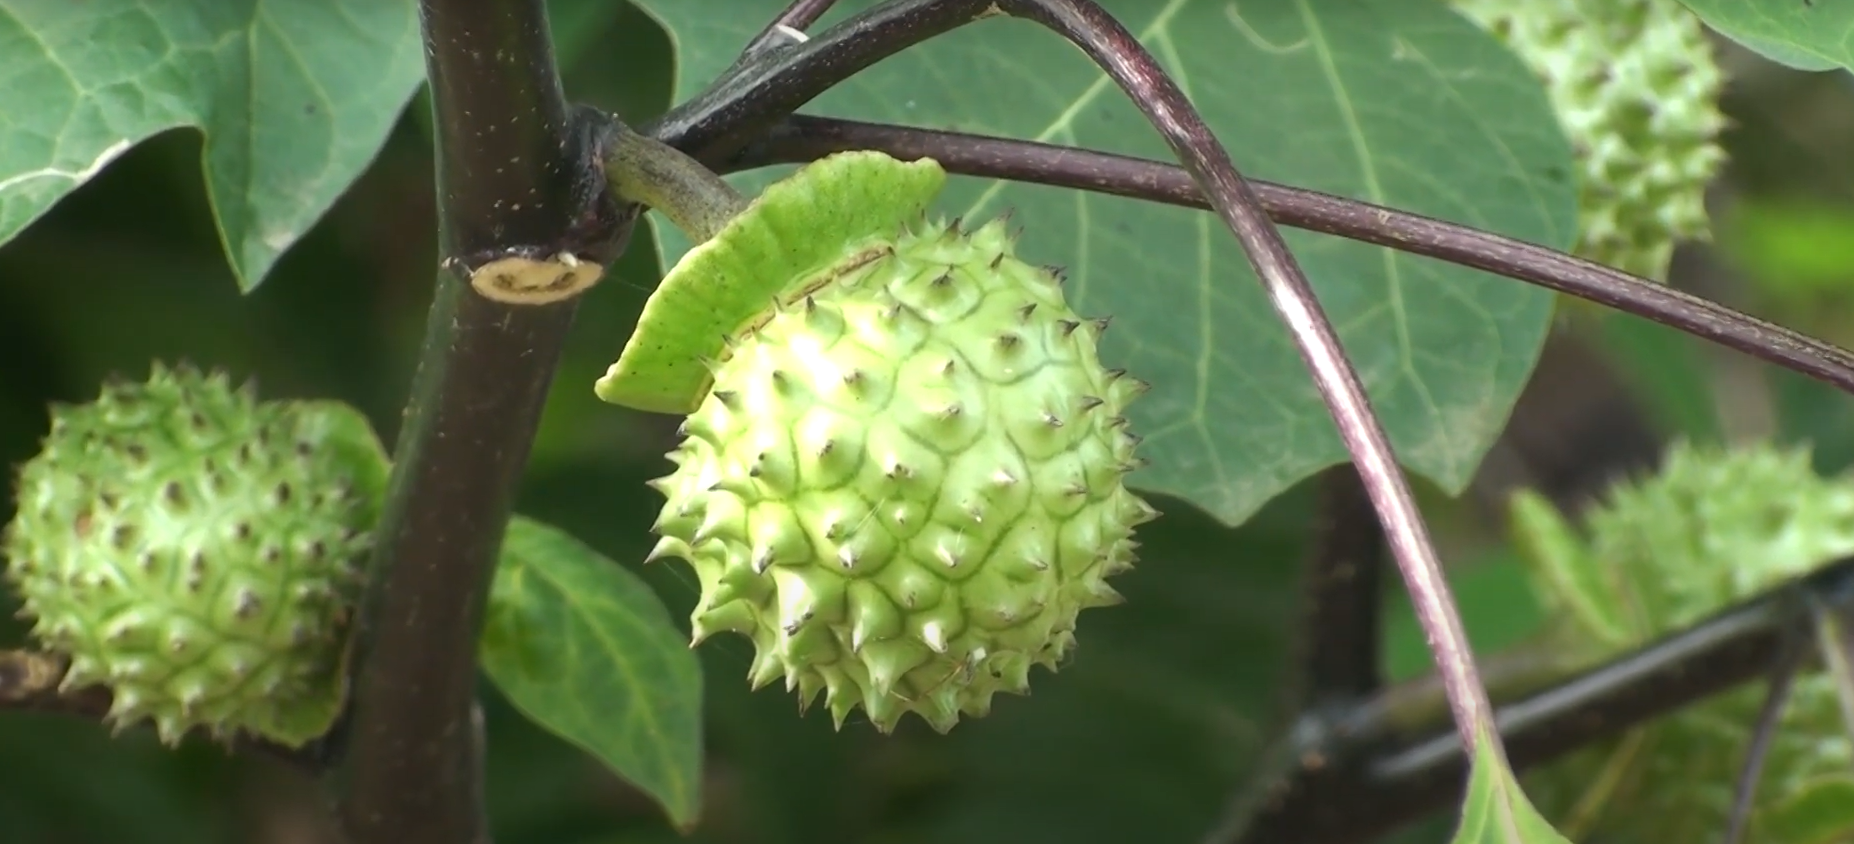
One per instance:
[(518, 178), (779, 32), (1165, 105), (1783, 670), (803, 138), (748, 99), (29, 682), (1392, 766)]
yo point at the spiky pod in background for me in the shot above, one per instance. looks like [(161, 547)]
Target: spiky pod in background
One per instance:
[(902, 474), (1711, 528), (198, 552), (1636, 88)]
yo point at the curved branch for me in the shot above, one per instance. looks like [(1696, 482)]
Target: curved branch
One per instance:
[(801, 138), (1089, 27)]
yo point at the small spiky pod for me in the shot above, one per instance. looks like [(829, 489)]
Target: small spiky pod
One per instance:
[(907, 478), (198, 553), (1636, 88), (1658, 554)]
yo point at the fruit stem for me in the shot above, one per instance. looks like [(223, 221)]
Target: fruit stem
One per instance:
[(651, 173)]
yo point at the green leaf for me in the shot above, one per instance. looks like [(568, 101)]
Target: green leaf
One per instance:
[(1496, 810), (582, 646), (1400, 103), (294, 100), (1804, 34)]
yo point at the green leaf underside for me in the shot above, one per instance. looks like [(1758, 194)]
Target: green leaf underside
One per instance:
[(792, 231), (294, 100), (1797, 33), (582, 646), (1496, 810), (1403, 104)]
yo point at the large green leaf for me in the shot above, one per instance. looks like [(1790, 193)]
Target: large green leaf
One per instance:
[(582, 646), (1400, 103), (294, 100), (1804, 34)]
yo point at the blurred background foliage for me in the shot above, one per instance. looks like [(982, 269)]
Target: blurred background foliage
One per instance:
[(1144, 737)]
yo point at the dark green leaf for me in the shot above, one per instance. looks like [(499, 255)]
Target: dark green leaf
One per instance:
[(1399, 103), (583, 647), (294, 100), (1804, 34), (1496, 811)]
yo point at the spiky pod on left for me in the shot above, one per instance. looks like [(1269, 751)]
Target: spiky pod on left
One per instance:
[(199, 553)]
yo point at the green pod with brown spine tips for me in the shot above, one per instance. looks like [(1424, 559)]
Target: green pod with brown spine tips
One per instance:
[(903, 471), (199, 552)]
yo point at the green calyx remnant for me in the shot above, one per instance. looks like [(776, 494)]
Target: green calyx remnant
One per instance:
[(798, 228), (1636, 88), (1711, 528), (902, 476), (199, 553)]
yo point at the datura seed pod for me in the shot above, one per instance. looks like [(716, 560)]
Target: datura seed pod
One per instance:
[(902, 471), (199, 552)]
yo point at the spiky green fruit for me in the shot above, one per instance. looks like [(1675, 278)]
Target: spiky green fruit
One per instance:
[(906, 479), (198, 552), (1636, 88), (1657, 554)]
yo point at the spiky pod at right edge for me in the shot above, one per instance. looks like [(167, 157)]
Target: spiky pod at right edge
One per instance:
[(1636, 88)]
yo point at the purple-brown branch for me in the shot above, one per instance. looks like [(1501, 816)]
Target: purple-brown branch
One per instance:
[(802, 138), (518, 177), (763, 89)]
